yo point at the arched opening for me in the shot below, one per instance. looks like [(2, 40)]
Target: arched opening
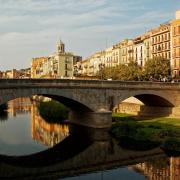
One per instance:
[(70, 103), (145, 106), (153, 100)]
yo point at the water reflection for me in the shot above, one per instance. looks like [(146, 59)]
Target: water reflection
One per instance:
[(48, 134), (77, 153), (26, 132), (3, 112), (163, 169)]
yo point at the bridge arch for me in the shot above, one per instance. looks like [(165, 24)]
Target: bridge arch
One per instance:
[(149, 98), (65, 96), (154, 105)]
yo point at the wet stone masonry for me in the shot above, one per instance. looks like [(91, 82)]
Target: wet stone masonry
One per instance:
[(92, 101)]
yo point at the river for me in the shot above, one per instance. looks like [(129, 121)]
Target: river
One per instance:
[(31, 148)]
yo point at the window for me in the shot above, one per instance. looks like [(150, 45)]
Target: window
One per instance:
[(178, 52), (66, 74), (174, 30), (66, 66), (178, 29), (162, 38)]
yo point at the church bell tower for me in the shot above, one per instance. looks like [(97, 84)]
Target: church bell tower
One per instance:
[(60, 47)]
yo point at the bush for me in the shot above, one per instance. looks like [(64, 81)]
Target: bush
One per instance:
[(125, 128), (172, 146), (137, 144), (52, 111)]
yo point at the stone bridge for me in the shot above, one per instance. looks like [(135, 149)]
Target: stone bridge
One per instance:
[(91, 101)]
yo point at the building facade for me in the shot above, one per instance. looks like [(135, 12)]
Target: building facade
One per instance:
[(175, 45), (162, 41), (57, 65)]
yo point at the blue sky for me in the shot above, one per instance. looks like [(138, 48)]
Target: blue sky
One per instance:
[(31, 28)]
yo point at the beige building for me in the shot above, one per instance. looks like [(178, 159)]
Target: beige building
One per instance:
[(58, 65), (162, 41), (124, 51), (175, 44)]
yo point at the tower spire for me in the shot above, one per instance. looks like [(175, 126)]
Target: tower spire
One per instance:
[(60, 46)]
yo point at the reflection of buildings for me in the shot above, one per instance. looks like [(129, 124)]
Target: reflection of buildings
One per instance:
[(19, 106), (48, 134), (164, 169)]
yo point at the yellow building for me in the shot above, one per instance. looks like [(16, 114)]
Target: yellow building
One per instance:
[(161, 41), (37, 67), (175, 44), (58, 65), (127, 51)]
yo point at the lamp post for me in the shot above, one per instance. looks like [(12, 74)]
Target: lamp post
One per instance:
[(101, 67)]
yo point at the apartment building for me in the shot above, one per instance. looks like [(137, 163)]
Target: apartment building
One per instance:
[(175, 45), (38, 69), (139, 48), (108, 57), (123, 52), (57, 65), (142, 49), (161, 41), (127, 51)]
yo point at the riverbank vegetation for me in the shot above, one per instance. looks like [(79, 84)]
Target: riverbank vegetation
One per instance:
[(146, 134), (53, 111)]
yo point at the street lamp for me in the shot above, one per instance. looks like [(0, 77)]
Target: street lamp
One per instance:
[(101, 67)]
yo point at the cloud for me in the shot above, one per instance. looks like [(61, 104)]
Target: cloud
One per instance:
[(30, 28)]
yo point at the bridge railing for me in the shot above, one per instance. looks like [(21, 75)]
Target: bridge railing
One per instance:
[(86, 83)]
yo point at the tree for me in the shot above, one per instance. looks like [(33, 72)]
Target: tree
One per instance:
[(130, 72), (156, 68)]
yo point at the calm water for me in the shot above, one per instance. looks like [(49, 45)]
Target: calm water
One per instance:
[(30, 148)]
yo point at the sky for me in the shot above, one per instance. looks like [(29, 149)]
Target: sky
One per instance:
[(32, 28)]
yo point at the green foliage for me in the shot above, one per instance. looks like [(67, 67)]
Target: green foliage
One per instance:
[(172, 146), (137, 144), (149, 133), (53, 111), (130, 72), (156, 68)]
